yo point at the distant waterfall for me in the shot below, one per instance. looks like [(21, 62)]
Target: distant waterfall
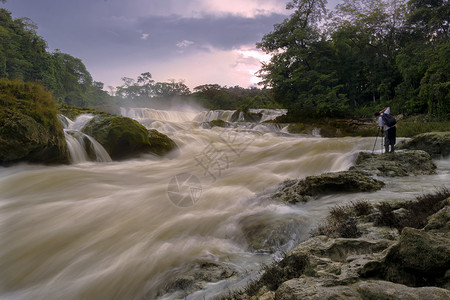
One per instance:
[(200, 117), (154, 114), (81, 146)]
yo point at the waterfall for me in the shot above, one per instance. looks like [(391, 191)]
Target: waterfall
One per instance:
[(269, 114), (207, 116), (202, 116), (154, 114), (81, 146)]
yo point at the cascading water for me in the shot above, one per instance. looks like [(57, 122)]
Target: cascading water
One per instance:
[(118, 231), (81, 146)]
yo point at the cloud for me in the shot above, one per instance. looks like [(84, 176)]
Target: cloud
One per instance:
[(184, 44)]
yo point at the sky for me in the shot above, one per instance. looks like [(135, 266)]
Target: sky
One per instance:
[(196, 41)]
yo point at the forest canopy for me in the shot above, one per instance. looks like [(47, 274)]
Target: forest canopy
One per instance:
[(364, 55)]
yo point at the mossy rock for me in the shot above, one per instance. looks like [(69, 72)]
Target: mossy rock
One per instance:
[(434, 143), (218, 123), (398, 164), (292, 191), (420, 258), (29, 128), (160, 143), (124, 138)]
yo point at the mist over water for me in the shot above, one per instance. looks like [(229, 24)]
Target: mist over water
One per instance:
[(109, 230)]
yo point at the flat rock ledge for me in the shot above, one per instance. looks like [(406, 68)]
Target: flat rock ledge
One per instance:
[(397, 164), (437, 144), (359, 177), (292, 191)]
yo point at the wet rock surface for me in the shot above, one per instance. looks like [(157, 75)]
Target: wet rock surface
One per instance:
[(292, 191), (436, 144), (268, 233), (405, 163), (194, 278), (124, 138)]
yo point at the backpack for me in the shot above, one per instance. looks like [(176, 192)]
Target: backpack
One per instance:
[(388, 120)]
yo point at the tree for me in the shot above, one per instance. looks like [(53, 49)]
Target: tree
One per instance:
[(170, 89), (24, 56), (431, 18), (301, 71)]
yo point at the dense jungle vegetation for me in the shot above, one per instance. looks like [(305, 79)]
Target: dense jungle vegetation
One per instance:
[(364, 55)]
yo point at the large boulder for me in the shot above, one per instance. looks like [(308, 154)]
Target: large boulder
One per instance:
[(292, 191), (436, 144), (412, 162), (29, 127), (124, 138), (160, 143), (420, 258)]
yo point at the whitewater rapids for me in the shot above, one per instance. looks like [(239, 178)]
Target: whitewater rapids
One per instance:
[(109, 230)]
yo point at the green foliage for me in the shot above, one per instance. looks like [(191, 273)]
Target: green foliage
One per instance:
[(30, 99), (29, 127), (23, 56), (373, 53), (145, 88), (213, 96)]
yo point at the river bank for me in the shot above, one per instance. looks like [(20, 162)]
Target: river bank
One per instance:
[(366, 127)]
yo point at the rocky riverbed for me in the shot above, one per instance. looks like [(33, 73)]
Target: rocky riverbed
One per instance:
[(391, 250)]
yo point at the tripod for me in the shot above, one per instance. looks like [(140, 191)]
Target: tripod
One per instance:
[(376, 142)]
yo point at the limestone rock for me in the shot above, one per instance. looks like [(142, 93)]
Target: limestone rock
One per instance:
[(266, 232), (160, 143), (311, 289), (195, 277), (434, 143), (413, 162), (293, 191), (123, 137), (440, 220), (218, 123), (419, 258), (29, 127)]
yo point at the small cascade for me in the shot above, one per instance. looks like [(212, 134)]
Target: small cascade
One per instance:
[(81, 146), (160, 115), (269, 114), (208, 116)]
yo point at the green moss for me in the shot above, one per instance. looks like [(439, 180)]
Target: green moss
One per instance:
[(29, 127), (218, 123), (161, 144), (123, 137), (120, 136)]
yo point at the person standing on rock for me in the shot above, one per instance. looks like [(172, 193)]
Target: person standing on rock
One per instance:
[(390, 130)]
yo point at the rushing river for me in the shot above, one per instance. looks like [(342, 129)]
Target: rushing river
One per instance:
[(123, 230)]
